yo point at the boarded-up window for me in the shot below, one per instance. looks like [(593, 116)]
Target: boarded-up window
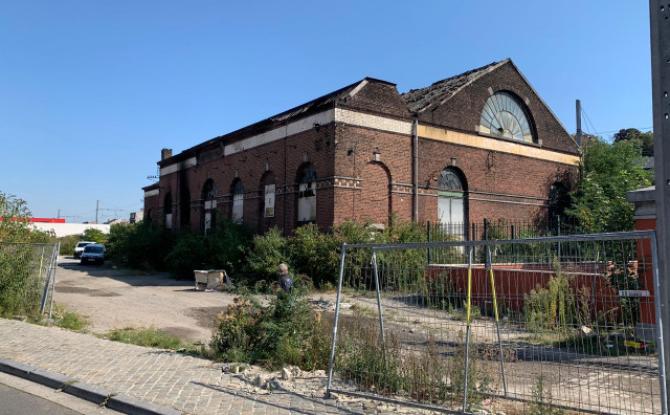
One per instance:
[(238, 202), (269, 211), (307, 195)]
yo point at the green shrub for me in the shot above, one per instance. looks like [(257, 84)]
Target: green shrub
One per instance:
[(67, 244), (141, 245), (147, 337), (20, 287), (315, 254), (94, 235), (551, 308), (266, 253), (188, 254), (227, 247), (286, 332)]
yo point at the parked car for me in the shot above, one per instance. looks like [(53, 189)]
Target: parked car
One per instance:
[(93, 253), (79, 248)]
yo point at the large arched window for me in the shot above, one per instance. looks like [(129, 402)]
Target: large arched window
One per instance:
[(306, 194), (167, 210), (237, 213), (451, 203), (208, 206), (505, 115)]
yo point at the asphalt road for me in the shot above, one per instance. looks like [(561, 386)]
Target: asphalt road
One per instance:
[(16, 402)]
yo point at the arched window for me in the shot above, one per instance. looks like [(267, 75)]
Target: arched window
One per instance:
[(505, 115), (306, 195), (237, 213), (451, 202), (208, 206), (167, 210)]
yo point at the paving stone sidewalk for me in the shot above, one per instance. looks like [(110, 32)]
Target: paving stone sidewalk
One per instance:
[(188, 384)]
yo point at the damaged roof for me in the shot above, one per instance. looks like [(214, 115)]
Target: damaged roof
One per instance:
[(316, 105), (433, 96)]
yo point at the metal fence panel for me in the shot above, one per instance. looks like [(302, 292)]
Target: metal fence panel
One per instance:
[(27, 275), (520, 326)]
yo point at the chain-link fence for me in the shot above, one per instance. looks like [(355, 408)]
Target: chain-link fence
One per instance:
[(538, 326), (27, 274)]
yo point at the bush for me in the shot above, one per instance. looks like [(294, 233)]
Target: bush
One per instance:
[(551, 308), (20, 291), (141, 245), (67, 244), (315, 254), (189, 253), (94, 235), (266, 253), (287, 332), (227, 246)]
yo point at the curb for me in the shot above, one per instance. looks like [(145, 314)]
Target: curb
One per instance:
[(99, 396)]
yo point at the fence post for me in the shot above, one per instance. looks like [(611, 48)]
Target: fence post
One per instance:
[(429, 238), (492, 281), (662, 375), (45, 293), (331, 360), (379, 303), (467, 329)]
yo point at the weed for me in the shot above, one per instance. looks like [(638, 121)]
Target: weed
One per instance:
[(541, 403), (69, 320), (147, 337)]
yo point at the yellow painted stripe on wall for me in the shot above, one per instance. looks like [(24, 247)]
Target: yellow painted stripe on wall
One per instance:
[(478, 141)]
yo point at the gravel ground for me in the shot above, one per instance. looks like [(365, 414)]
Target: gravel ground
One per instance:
[(117, 298)]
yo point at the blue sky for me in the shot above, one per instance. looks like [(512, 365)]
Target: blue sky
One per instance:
[(90, 91)]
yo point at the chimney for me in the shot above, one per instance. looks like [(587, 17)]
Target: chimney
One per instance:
[(166, 153)]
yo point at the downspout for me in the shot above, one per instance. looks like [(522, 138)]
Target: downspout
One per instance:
[(415, 169)]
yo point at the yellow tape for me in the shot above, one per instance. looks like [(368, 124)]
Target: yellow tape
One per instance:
[(493, 292)]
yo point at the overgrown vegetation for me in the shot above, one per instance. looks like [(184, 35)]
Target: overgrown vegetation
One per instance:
[(599, 203), (541, 401), (68, 319), (20, 284), (289, 332), (252, 260), (147, 337), (286, 332)]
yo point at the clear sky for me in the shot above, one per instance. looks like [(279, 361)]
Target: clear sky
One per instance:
[(90, 91)]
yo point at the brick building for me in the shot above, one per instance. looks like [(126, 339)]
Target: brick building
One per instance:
[(478, 145)]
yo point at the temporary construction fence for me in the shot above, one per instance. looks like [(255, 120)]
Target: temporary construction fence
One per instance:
[(535, 325), (27, 275)]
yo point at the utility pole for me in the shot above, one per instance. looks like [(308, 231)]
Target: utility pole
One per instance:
[(58, 215), (97, 209), (578, 114), (659, 14)]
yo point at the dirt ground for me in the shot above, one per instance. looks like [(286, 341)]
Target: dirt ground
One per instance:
[(117, 298)]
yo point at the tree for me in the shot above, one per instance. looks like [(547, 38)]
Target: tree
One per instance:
[(15, 219), (646, 139), (599, 203), (94, 235)]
